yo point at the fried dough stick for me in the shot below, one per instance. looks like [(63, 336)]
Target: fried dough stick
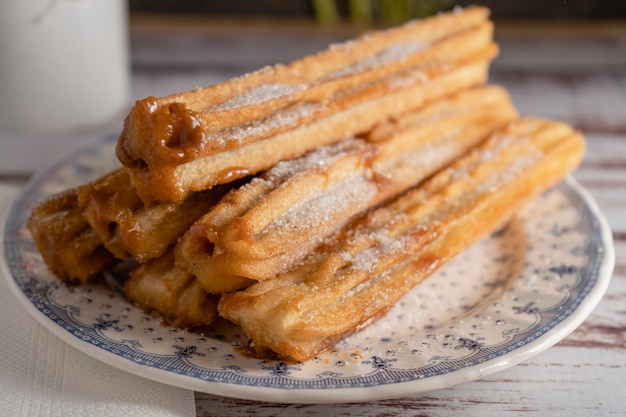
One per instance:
[(191, 141), (81, 231), (346, 286), (68, 245), (156, 286), (272, 223), (129, 228)]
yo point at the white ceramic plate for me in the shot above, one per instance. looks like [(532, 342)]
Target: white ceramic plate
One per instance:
[(505, 299)]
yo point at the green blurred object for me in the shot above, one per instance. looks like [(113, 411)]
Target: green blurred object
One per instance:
[(394, 11), (378, 11), (326, 11), (361, 11)]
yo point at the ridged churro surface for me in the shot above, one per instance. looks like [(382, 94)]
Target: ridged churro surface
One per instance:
[(156, 286), (82, 231), (269, 225), (191, 141), (347, 284), (69, 246), (128, 228)]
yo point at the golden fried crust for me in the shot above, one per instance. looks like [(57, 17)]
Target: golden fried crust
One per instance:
[(79, 232), (175, 295), (347, 285), (68, 245), (186, 142), (128, 228), (271, 224), (240, 239), (106, 202)]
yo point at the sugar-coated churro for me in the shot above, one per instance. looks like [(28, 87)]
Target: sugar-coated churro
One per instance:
[(69, 246), (372, 264), (191, 141), (175, 295), (130, 229), (81, 231), (272, 223)]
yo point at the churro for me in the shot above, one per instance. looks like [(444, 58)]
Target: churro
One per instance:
[(81, 231), (272, 223), (348, 284), (68, 245), (128, 228), (175, 295), (191, 141)]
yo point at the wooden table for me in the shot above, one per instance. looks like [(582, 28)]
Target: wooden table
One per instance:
[(578, 76)]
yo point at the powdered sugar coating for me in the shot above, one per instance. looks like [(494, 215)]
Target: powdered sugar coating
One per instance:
[(259, 95), (318, 158), (292, 115), (382, 246), (399, 52), (260, 127), (324, 206)]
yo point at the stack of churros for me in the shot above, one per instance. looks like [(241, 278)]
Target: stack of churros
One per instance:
[(69, 246), (81, 231), (302, 201), (367, 267), (188, 142)]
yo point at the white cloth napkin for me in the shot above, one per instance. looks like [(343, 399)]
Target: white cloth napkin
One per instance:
[(42, 376)]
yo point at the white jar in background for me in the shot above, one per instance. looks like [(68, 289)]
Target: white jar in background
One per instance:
[(64, 64)]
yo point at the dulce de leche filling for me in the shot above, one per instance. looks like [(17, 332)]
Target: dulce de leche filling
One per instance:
[(170, 135)]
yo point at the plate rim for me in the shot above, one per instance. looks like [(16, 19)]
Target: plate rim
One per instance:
[(340, 394)]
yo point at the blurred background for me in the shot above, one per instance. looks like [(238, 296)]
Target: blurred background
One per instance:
[(71, 69), (383, 11), (543, 42)]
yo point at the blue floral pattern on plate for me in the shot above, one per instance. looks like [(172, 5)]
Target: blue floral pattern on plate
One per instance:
[(508, 297)]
